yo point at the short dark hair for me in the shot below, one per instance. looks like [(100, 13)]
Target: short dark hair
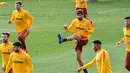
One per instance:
[(79, 11), (127, 17), (18, 44), (6, 33), (97, 42), (19, 2)]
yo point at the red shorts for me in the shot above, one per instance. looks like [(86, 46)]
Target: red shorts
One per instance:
[(23, 34), (10, 71), (79, 44), (85, 12), (127, 60)]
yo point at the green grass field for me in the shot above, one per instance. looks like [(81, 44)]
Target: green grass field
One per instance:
[(50, 16)]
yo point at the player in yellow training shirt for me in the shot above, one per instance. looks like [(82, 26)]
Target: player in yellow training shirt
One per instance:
[(82, 4), (126, 39), (82, 29), (19, 60), (23, 22), (2, 3), (6, 48), (101, 59)]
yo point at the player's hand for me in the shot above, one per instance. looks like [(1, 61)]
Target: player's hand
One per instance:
[(3, 68), (118, 43), (78, 70), (128, 42), (65, 26), (9, 22)]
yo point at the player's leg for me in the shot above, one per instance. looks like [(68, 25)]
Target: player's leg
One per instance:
[(70, 38), (127, 61), (22, 36), (79, 59), (85, 12), (78, 51)]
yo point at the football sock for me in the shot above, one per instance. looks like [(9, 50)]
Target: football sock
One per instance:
[(85, 71), (64, 40)]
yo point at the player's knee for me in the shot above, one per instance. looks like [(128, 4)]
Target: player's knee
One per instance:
[(78, 59), (127, 67), (77, 36), (20, 38)]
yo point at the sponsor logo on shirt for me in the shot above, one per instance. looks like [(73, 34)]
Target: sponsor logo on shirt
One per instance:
[(5, 52), (19, 18), (127, 35), (19, 62), (79, 28)]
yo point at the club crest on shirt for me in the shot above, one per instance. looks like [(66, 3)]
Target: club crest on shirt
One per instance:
[(82, 25), (21, 15), (21, 58)]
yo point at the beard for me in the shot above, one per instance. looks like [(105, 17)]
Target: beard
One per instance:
[(16, 50), (5, 41), (80, 19)]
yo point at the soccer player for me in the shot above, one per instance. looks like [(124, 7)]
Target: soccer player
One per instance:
[(82, 4), (82, 30), (23, 21), (126, 39), (101, 59), (6, 48), (19, 60), (2, 3)]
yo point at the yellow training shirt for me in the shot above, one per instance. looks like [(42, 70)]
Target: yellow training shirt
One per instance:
[(21, 63), (22, 19), (102, 62), (5, 51), (81, 5), (2, 3), (126, 38), (79, 26)]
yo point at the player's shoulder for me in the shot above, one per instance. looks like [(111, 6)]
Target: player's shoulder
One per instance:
[(87, 20), (74, 20), (26, 54), (14, 11), (1, 44), (25, 11), (124, 29), (12, 54), (10, 43)]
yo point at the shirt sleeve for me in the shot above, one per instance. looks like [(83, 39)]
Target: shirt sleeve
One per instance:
[(70, 26), (29, 18), (103, 56), (123, 39), (12, 17), (89, 64), (2, 3), (29, 63), (90, 27), (8, 67)]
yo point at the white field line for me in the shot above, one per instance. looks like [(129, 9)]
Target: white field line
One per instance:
[(101, 12)]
